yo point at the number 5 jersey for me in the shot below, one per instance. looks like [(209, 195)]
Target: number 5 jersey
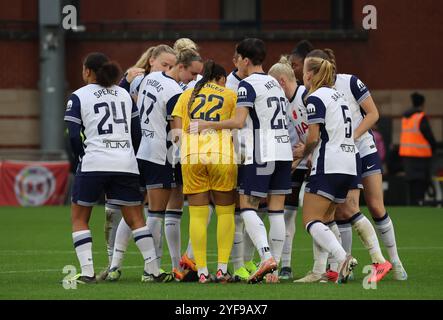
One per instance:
[(336, 151)]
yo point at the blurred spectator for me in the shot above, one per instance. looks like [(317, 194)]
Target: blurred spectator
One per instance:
[(394, 163), (417, 144), (379, 143)]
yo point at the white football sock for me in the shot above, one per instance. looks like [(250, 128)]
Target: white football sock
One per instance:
[(203, 270), (146, 211), (122, 238), (237, 247), (385, 230), (345, 229), (290, 217), (113, 216), (83, 248), (368, 237), (326, 239), (145, 243), (257, 232), (155, 224), (173, 235), (277, 232), (333, 264), (320, 258), (223, 267), (248, 246)]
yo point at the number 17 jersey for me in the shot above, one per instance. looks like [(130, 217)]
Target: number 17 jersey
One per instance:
[(157, 96)]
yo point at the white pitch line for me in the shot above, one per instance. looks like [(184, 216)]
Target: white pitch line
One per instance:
[(61, 270), (55, 252), (211, 253)]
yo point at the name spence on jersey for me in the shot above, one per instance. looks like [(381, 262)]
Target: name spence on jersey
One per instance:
[(105, 91)]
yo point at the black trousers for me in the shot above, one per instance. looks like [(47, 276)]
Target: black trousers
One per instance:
[(416, 191), (418, 177)]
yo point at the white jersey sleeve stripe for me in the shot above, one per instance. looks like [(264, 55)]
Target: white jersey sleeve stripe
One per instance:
[(72, 119), (73, 109), (363, 97)]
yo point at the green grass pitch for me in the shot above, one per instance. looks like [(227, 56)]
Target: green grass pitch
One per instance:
[(36, 244)]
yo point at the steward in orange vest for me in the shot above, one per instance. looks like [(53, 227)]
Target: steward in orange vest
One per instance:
[(417, 144), (416, 138), (412, 141)]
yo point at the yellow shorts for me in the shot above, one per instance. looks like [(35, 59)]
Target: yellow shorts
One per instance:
[(201, 177)]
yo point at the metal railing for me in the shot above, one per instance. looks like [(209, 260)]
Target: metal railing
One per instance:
[(198, 29)]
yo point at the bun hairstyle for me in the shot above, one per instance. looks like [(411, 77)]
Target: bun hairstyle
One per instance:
[(323, 72), (107, 72), (282, 67), (302, 49), (187, 56), (327, 54), (211, 71), (185, 43)]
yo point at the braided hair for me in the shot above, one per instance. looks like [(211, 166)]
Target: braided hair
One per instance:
[(211, 71)]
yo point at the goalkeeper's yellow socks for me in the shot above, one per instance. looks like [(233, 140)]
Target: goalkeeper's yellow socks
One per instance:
[(198, 234), (225, 234)]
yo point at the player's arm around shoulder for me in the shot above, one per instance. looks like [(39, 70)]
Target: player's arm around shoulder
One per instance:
[(182, 102), (231, 101)]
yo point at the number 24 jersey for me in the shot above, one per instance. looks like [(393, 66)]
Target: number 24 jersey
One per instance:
[(106, 115)]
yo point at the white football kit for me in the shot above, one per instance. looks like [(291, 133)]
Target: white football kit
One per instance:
[(157, 97), (298, 121), (233, 80), (336, 151), (267, 120), (355, 92), (105, 114), (191, 84)]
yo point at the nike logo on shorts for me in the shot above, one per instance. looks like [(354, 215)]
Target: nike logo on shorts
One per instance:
[(369, 167)]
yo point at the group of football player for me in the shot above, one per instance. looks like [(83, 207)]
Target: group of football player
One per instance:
[(241, 145)]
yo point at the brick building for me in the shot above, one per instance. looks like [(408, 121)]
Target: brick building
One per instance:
[(400, 56)]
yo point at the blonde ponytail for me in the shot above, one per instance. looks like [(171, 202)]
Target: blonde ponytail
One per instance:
[(323, 72), (143, 61)]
